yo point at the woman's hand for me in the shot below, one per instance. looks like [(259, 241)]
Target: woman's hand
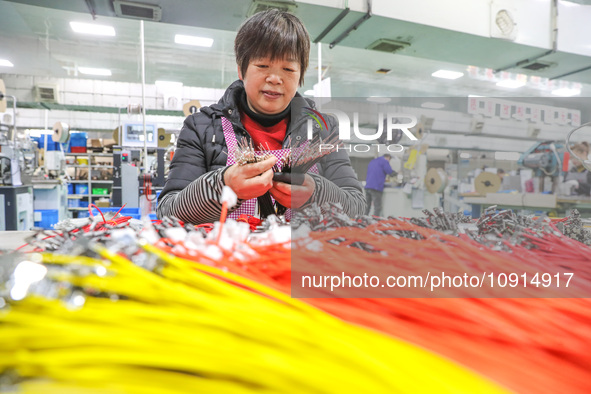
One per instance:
[(250, 180), (293, 196)]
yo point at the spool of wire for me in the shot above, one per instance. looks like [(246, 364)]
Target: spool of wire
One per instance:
[(61, 132), (436, 180), (134, 109)]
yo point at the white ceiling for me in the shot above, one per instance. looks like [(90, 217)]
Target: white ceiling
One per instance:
[(39, 41)]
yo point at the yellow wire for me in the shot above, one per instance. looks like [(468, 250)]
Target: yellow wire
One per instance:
[(183, 326)]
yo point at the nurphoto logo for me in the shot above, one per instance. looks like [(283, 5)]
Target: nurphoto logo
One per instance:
[(392, 121)]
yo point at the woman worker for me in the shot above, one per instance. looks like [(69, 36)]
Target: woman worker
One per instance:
[(578, 172), (272, 50)]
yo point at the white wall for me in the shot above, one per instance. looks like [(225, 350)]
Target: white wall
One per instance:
[(574, 28), (98, 93)]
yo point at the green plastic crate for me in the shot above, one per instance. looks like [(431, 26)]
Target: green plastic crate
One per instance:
[(100, 190)]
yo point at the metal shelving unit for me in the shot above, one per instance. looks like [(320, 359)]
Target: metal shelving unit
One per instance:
[(90, 166)]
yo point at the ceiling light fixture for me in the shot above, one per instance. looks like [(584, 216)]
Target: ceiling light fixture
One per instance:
[(505, 22), (94, 71), (446, 74), (168, 84), (566, 92), (511, 84), (91, 28), (432, 105), (379, 100), (193, 40), (6, 63)]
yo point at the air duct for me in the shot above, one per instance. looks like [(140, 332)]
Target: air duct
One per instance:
[(128, 9)]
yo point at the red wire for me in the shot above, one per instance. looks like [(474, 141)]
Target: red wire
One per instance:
[(90, 206), (222, 220), (120, 209), (548, 339)]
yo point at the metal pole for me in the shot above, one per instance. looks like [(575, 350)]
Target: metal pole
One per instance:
[(144, 97), (45, 138), (319, 65), (13, 118)]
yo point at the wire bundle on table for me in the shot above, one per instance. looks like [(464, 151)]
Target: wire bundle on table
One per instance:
[(106, 324), (527, 344)]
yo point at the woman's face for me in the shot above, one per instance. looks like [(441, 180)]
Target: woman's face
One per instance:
[(581, 154), (270, 85)]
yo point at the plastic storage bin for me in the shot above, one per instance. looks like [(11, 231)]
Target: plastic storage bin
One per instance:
[(78, 139), (51, 145), (100, 190), (46, 218), (81, 188), (133, 212)]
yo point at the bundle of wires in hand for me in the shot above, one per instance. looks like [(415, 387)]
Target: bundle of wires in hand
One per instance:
[(290, 168)]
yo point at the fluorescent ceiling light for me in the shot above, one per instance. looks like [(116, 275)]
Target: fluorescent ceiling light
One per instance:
[(379, 100), (447, 74), (6, 63), (432, 105), (511, 84), (168, 84), (91, 28), (566, 92), (193, 40), (309, 92), (95, 71), (474, 95)]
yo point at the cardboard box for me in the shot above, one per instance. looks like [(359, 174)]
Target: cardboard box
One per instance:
[(95, 144), (102, 203)]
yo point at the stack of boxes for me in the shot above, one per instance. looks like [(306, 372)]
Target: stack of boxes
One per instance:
[(78, 142)]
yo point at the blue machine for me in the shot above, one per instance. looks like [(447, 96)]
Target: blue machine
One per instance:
[(545, 158)]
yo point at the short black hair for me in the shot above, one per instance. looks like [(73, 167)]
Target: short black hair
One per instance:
[(581, 147), (388, 155), (275, 34)]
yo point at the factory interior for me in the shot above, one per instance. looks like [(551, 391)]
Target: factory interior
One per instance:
[(467, 126)]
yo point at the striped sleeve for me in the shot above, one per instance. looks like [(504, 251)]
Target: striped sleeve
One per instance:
[(351, 198), (197, 203)]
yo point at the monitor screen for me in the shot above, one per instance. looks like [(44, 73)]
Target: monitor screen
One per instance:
[(132, 134)]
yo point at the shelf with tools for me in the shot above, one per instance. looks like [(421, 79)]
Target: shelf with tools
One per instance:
[(91, 178)]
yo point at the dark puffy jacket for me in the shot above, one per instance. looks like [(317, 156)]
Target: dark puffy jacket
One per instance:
[(581, 175), (193, 188)]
